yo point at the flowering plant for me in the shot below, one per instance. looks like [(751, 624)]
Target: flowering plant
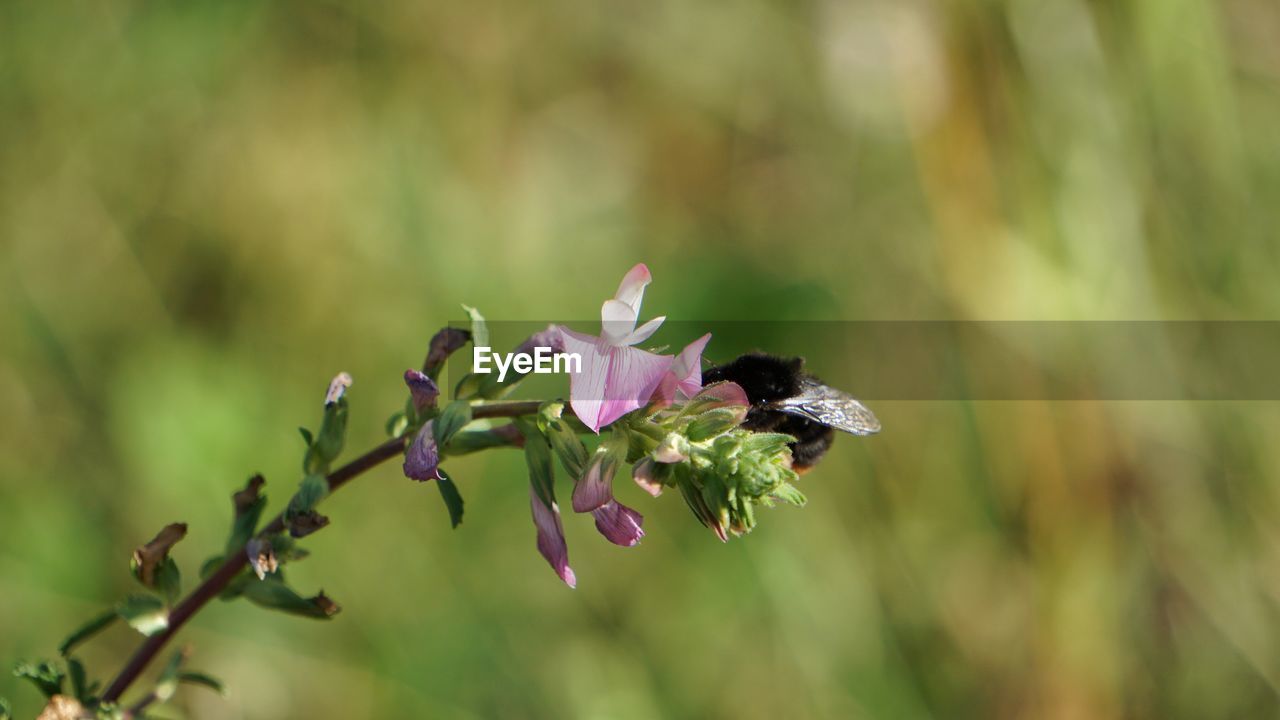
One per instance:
[(638, 408)]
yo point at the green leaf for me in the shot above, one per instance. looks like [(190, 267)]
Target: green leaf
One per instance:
[(537, 455), (145, 613), (311, 491), (167, 683), (469, 386), (474, 440), (210, 565), (714, 422), (479, 328), (452, 498), (766, 443), (328, 442), (198, 678), (272, 593), (245, 524), (235, 588), (86, 631), (79, 687), (788, 493), (169, 580), (45, 676), (307, 436), (397, 424), (453, 418), (566, 443), (249, 504)]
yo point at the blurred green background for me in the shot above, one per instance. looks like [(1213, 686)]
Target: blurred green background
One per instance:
[(207, 209)]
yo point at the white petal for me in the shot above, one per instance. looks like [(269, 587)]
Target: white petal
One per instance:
[(618, 320), (643, 332)]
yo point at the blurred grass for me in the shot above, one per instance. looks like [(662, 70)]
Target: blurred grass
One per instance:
[(207, 209)]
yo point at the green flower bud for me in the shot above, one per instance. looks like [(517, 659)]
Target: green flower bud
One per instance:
[(715, 422), (674, 448)]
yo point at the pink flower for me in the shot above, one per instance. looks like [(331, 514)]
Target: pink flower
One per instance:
[(616, 378), (551, 537), (685, 376), (593, 493)]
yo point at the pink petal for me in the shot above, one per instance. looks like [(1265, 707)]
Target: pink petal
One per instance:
[(721, 394), (631, 290), (632, 377), (687, 367), (643, 332), (619, 524), (595, 487), (642, 473), (551, 538), (587, 388), (685, 374)]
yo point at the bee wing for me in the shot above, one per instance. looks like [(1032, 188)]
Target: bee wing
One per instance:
[(828, 406)]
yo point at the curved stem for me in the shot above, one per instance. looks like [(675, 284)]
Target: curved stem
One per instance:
[(229, 569), (237, 560)]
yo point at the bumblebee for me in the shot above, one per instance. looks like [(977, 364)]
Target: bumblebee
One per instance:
[(786, 399)]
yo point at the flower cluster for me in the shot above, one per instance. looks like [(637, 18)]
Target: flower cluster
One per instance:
[(648, 409), (635, 406)]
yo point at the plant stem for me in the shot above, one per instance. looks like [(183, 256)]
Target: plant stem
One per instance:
[(512, 408), (237, 560), (230, 568), (517, 408)]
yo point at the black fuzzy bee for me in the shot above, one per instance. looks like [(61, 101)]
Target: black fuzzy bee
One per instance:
[(786, 399)]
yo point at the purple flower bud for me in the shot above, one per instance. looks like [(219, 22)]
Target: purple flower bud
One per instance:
[(549, 338), (443, 344), (422, 460), (619, 524), (551, 538), (423, 389)]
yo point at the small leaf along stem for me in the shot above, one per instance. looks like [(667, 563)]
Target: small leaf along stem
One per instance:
[(238, 559), (229, 569)]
